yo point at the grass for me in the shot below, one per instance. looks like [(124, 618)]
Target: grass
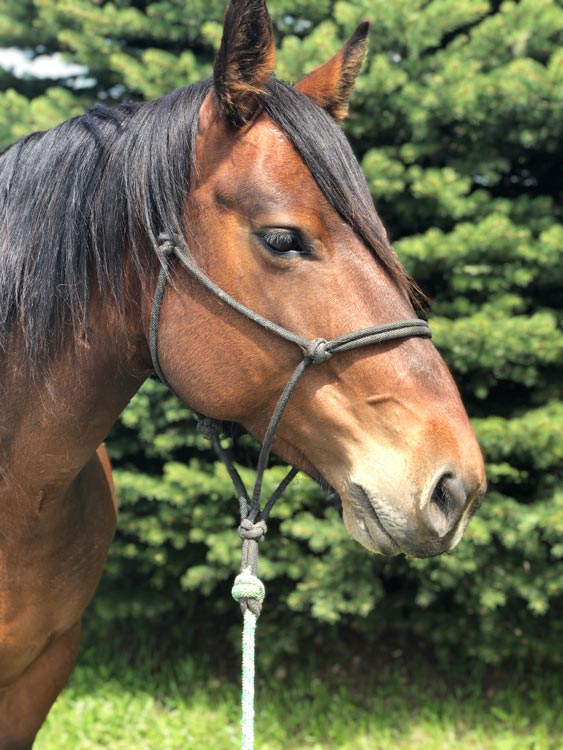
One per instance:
[(120, 701)]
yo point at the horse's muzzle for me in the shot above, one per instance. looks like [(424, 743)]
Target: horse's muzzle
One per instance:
[(434, 524)]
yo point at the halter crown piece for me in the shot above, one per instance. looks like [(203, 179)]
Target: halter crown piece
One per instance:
[(248, 589)]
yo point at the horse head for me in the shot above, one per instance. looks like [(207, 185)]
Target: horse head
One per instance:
[(279, 215)]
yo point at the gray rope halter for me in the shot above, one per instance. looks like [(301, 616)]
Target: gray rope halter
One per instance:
[(315, 352)]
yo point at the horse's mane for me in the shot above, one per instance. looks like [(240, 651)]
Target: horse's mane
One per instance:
[(75, 199)]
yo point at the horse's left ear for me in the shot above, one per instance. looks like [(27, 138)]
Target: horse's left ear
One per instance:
[(331, 84), (245, 61)]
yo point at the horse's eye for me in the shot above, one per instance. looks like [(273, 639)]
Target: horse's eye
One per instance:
[(283, 242)]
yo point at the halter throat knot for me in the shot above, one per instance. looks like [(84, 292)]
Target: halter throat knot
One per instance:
[(252, 531), (318, 352)]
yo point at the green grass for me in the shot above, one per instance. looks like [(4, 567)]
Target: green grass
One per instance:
[(120, 703)]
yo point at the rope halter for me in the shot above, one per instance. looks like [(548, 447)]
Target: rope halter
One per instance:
[(248, 589)]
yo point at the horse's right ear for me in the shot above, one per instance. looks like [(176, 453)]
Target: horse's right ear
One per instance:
[(245, 60)]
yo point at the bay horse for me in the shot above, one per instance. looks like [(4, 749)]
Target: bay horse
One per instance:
[(258, 179)]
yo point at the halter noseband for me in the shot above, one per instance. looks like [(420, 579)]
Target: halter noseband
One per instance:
[(315, 351)]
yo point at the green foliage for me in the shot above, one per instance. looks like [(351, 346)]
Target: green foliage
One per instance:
[(458, 122)]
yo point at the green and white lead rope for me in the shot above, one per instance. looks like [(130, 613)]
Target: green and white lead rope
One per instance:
[(248, 588)]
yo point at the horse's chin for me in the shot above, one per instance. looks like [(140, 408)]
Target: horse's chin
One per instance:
[(364, 525), (359, 516)]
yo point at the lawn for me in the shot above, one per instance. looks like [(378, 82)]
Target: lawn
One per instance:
[(119, 702)]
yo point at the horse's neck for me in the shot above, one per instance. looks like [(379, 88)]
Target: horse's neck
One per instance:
[(49, 429)]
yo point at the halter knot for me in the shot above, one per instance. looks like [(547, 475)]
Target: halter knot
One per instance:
[(167, 245), (254, 531), (317, 351), (248, 589)]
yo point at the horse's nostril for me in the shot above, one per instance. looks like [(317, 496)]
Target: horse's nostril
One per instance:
[(446, 505)]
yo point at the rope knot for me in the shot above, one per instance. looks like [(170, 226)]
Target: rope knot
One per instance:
[(208, 428), (167, 245), (249, 591), (317, 351), (254, 531)]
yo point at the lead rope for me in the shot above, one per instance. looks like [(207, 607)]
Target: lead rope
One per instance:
[(248, 589)]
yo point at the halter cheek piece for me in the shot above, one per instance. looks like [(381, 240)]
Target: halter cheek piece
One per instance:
[(315, 352)]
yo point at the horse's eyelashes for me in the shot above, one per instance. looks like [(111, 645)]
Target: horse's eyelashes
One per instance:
[(283, 241)]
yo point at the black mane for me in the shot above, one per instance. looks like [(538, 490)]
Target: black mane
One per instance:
[(75, 199)]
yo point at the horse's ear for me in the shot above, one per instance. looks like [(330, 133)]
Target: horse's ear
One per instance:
[(331, 84), (245, 60)]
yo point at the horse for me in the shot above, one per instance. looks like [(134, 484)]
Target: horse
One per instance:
[(258, 180)]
